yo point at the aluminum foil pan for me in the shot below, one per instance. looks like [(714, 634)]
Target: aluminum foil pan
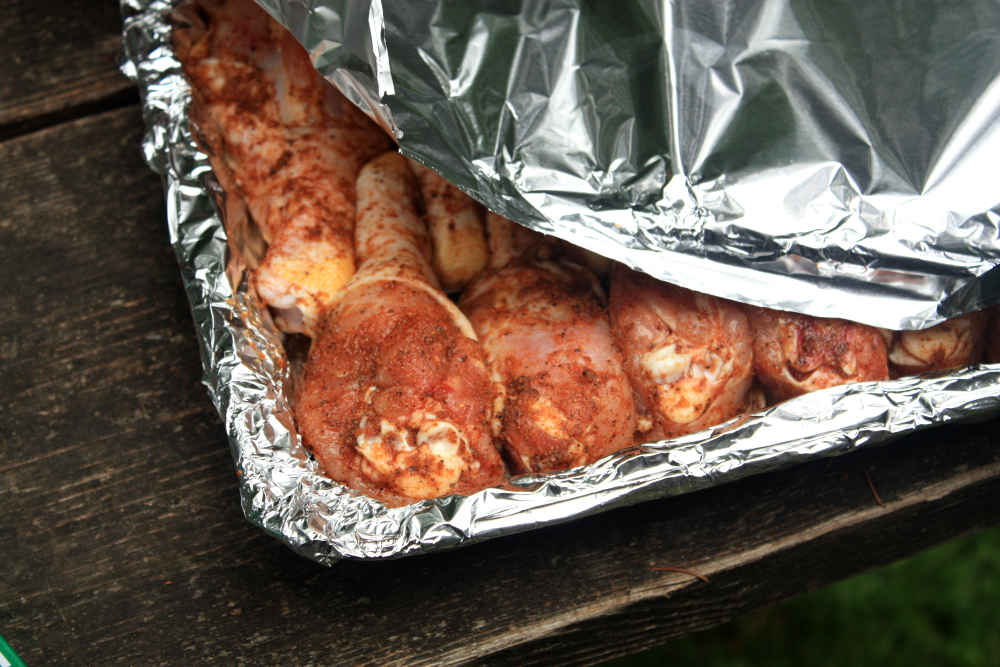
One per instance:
[(832, 158), (246, 372)]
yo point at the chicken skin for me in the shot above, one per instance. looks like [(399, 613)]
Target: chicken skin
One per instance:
[(952, 344), (287, 143), (509, 241), (397, 400), (795, 354), (993, 346), (455, 223), (689, 355), (545, 333)]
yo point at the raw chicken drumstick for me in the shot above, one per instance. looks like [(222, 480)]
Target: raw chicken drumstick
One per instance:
[(795, 354), (952, 344), (397, 401), (545, 332), (455, 223), (689, 355), (288, 143), (993, 349), (509, 241)]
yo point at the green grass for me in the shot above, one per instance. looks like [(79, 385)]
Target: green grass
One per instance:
[(941, 608)]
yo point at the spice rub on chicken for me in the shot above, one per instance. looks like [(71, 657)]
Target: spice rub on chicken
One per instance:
[(795, 354), (993, 336), (286, 142), (546, 334), (689, 355), (952, 344), (455, 223), (397, 400)]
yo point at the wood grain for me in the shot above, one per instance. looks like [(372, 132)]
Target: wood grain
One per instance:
[(58, 56)]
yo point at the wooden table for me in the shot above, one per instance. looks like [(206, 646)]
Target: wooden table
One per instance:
[(121, 537)]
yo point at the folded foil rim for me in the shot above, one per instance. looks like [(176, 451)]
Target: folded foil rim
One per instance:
[(281, 489)]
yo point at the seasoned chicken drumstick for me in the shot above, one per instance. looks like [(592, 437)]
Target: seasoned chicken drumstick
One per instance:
[(285, 141), (397, 400), (689, 355), (795, 354), (954, 343), (455, 223), (993, 346), (545, 332), (509, 241)]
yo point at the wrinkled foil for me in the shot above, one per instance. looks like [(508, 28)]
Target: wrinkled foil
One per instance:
[(833, 158), (281, 489)]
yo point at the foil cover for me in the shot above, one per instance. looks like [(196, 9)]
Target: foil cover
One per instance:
[(831, 158), (246, 367)]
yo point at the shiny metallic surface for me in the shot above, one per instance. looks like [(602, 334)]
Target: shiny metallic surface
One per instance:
[(832, 158), (835, 217)]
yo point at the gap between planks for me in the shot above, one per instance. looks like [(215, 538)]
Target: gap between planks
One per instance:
[(26, 126)]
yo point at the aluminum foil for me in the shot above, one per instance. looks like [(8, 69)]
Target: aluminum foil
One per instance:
[(246, 372), (832, 158)]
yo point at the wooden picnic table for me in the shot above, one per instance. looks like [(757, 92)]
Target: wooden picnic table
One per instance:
[(121, 536)]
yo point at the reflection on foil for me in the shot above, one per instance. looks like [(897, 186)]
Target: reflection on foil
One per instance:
[(245, 364), (831, 158)]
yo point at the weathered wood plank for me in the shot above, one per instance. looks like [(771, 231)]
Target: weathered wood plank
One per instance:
[(58, 55), (775, 565), (122, 539)]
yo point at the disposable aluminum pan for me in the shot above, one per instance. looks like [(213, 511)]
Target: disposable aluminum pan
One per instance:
[(246, 368)]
